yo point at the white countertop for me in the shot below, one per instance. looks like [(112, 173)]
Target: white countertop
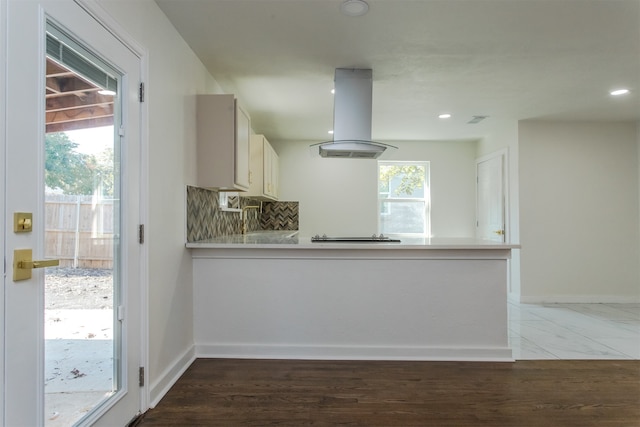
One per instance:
[(292, 240)]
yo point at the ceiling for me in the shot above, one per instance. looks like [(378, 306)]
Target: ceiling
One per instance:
[(73, 102), (506, 59)]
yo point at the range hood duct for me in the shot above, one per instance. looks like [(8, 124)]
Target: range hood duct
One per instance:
[(352, 117)]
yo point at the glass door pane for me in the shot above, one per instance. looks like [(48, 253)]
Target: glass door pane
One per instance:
[(81, 230)]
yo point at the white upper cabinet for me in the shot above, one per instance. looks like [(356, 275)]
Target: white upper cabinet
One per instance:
[(264, 169), (272, 171), (224, 133)]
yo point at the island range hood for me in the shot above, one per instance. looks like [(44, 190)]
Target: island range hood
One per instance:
[(352, 117)]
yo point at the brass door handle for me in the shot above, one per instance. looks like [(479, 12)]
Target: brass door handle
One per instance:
[(23, 263), (500, 232), (39, 264)]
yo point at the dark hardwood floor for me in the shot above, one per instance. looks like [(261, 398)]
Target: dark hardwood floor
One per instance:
[(232, 392)]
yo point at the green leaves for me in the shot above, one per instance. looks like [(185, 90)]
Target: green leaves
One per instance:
[(74, 172), (403, 179)]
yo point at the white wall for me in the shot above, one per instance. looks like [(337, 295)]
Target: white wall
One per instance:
[(339, 196), (175, 77), (579, 194)]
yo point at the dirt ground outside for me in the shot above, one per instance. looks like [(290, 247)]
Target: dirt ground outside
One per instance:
[(78, 288)]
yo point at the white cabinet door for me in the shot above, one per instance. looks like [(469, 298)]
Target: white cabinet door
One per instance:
[(224, 132), (243, 137), (270, 171), (275, 174), (264, 169), (267, 161)]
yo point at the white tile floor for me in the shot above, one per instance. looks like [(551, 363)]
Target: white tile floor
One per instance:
[(574, 331)]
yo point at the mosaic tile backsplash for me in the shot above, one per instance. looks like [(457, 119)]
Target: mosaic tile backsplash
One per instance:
[(279, 216), (205, 220)]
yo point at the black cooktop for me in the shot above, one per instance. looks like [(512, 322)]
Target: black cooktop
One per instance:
[(372, 239)]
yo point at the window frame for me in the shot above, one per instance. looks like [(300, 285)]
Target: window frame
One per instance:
[(426, 199)]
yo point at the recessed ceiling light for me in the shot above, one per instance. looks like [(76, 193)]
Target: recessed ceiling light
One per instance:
[(444, 116), (330, 132), (333, 91), (619, 92), (354, 7)]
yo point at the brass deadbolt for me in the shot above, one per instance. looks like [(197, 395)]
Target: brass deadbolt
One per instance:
[(22, 222)]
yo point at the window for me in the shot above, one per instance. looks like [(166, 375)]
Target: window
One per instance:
[(404, 198)]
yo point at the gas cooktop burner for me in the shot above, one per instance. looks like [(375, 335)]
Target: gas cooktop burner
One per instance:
[(373, 239)]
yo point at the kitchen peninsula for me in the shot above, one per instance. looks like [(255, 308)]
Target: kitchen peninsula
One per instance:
[(280, 295)]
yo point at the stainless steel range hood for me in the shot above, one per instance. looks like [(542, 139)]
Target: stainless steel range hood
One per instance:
[(352, 149), (352, 117)]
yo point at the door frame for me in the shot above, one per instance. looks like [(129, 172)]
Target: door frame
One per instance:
[(3, 219), (100, 15)]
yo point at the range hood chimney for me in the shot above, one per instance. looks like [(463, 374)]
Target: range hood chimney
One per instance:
[(352, 117)]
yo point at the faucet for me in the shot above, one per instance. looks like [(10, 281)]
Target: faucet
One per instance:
[(244, 217)]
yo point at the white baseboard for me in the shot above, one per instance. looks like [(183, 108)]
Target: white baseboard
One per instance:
[(261, 351), (579, 299), (168, 378)]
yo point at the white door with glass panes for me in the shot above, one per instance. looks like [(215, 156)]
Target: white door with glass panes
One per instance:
[(72, 214)]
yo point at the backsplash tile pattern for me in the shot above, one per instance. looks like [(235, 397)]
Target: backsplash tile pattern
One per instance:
[(279, 216), (205, 220)]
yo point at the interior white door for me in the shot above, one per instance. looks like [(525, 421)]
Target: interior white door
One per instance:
[(26, 23), (490, 198)]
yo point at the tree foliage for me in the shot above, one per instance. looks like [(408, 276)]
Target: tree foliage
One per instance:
[(73, 172), (411, 178), (104, 172)]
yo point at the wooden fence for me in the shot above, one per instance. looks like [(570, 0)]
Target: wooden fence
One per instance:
[(79, 231)]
